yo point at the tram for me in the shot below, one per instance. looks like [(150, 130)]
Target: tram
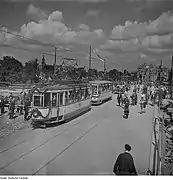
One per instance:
[(101, 91), (59, 102)]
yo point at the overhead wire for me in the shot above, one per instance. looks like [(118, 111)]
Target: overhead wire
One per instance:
[(34, 40), (15, 47), (38, 42)]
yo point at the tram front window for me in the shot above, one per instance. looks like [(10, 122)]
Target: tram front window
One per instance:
[(38, 100), (94, 90)]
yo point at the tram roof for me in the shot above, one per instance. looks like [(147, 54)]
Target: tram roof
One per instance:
[(59, 87), (99, 82)]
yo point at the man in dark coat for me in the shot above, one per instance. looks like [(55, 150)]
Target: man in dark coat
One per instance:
[(2, 105), (119, 98), (124, 164), (12, 108), (26, 109), (126, 107)]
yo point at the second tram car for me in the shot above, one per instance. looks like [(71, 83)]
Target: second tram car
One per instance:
[(54, 103), (101, 91)]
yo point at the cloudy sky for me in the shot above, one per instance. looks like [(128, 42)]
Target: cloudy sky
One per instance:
[(124, 32)]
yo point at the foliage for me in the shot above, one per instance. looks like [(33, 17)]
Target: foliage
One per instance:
[(31, 71), (10, 70)]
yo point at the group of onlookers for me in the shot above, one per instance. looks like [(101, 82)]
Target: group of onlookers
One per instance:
[(153, 93), (20, 103)]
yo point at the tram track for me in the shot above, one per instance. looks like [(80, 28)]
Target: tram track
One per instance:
[(41, 144), (42, 132), (48, 130), (68, 146)]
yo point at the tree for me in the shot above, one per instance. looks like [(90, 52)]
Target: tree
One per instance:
[(93, 74), (100, 75), (10, 70), (113, 74), (31, 71)]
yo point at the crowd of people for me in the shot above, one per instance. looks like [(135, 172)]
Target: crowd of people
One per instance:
[(145, 92), (16, 104)]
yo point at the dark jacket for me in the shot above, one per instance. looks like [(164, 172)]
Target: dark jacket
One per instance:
[(124, 165)]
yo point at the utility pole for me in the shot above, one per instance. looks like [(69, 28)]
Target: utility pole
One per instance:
[(105, 69), (89, 68), (160, 72), (55, 62), (104, 66), (171, 77), (90, 59)]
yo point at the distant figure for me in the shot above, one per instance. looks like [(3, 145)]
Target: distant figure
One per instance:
[(126, 107), (119, 98), (12, 108), (142, 103), (26, 109), (124, 164), (2, 105)]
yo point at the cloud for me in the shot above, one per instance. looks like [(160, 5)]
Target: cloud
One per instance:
[(84, 27), (92, 13), (129, 30), (36, 12), (153, 36), (52, 30), (162, 25)]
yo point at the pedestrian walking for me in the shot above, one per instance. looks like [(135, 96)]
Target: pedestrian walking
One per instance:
[(119, 98), (2, 105), (142, 103), (126, 107), (124, 164), (12, 108), (26, 109)]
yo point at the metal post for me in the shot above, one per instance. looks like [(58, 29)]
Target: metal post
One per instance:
[(89, 68), (90, 59), (55, 62), (105, 68), (171, 77)]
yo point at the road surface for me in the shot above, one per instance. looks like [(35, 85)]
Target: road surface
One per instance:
[(87, 145)]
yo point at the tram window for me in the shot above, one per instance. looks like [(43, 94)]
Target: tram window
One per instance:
[(94, 89), (66, 97), (70, 97), (36, 100), (83, 94), (61, 98), (86, 93), (73, 95), (46, 99), (77, 95), (54, 99), (99, 90), (103, 88), (106, 86)]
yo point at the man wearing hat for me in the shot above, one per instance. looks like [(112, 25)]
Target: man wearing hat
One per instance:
[(124, 164)]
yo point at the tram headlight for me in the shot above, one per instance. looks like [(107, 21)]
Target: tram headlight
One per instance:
[(95, 98), (35, 113)]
